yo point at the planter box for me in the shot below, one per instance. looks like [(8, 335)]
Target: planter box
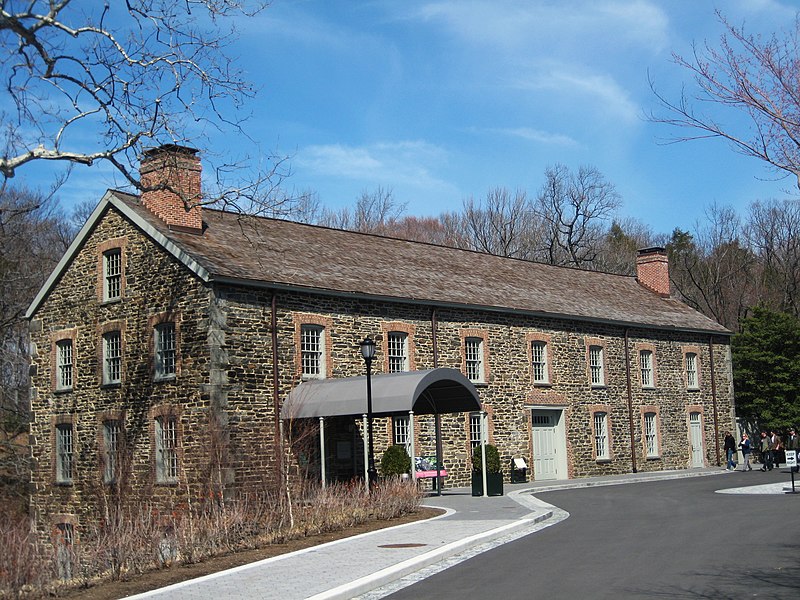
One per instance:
[(494, 483)]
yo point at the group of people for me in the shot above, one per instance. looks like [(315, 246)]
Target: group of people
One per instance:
[(769, 445)]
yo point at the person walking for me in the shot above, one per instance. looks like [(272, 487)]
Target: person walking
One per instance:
[(730, 449), (746, 447), (776, 445), (793, 443), (766, 452)]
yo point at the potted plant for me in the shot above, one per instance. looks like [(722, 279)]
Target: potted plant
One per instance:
[(494, 475), (395, 461)]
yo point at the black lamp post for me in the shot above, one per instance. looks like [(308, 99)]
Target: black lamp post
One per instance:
[(368, 352)]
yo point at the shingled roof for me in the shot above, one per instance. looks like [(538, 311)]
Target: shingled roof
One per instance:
[(289, 255)]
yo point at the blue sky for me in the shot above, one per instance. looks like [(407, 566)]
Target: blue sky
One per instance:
[(439, 101)]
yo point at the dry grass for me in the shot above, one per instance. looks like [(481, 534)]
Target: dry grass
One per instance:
[(135, 538)]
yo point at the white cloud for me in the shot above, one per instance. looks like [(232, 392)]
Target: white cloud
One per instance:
[(536, 135), (403, 162)]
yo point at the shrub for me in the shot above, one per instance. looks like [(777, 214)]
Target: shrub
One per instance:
[(395, 461), (492, 459)]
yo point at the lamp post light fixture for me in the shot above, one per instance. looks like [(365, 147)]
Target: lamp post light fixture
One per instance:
[(368, 353)]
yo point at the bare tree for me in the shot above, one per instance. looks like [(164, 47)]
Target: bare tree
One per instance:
[(104, 81), (375, 212), (773, 234), (713, 270), (500, 224), (746, 74), (33, 235), (574, 209)]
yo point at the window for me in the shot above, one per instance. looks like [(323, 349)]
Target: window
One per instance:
[(596, 371), (397, 350), (110, 449), (692, 381), (112, 357), (473, 355), (166, 434), (64, 362), (65, 549), (401, 432), (475, 429), (312, 352), (164, 354), (65, 452), (539, 362), (601, 435), (650, 434), (112, 274), (646, 367)]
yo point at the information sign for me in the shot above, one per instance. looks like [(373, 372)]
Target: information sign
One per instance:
[(791, 458)]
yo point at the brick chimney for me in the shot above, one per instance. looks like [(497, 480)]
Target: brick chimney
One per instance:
[(652, 270), (170, 179)]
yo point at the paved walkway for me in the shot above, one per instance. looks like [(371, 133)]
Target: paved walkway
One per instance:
[(358, 566)]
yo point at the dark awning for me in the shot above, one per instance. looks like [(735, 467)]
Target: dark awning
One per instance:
[(425, 392)]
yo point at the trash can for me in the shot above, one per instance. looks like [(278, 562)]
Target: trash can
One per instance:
[(519, 470)]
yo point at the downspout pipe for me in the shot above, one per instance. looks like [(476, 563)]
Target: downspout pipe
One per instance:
[(630, 400), (714, 396)]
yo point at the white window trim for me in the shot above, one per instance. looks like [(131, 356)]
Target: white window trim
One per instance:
[(692, 375), (646, 369), (65, 365), (65, 452), (112, 429), (473, 359), (597, 366), (112, 357), (166, 446), (539, 365), (318, 352), (601, 442), (651, 434), (112, 277), (397, 351), (165, 357)]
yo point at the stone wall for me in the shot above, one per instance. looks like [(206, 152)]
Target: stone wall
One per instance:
[(227, 394)]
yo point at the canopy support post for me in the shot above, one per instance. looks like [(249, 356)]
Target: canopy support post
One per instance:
[(412, 445), (322, 451), (438, 454), (366, 453), (484, 436)]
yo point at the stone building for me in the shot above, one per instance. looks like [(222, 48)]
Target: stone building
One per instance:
[(169, 336)]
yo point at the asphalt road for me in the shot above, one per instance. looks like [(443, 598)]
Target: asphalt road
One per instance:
[(667, 539)]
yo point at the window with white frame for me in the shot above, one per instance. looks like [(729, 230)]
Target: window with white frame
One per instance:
[(601, 435), (166, 433), (165, 350), (64, 365), (397, 351), (646, 367), (473, 359), (651, 434), (401, 432), (596, 369), (312, 351), (112, 274), (112, 357), (539, 362), (692, 381), (475, 429), (111, 448), (65, 452)]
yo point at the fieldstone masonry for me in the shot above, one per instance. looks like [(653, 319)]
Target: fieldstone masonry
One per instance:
[(227, 391)]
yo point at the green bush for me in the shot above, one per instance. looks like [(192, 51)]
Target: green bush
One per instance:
[(492, 459), (395, 461)]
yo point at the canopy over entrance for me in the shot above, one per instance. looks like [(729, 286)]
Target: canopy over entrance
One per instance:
[(434, 391)]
